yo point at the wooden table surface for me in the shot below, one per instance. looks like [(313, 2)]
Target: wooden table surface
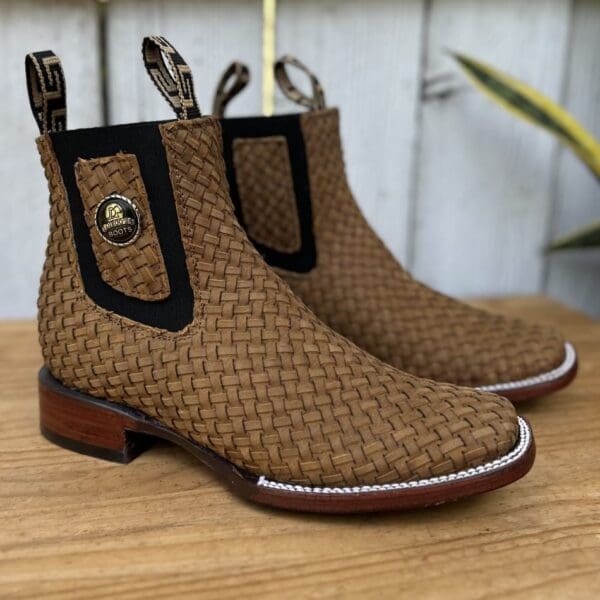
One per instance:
[(73, 526)]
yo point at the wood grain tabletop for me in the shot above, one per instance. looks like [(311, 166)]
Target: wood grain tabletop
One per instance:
[(162, 526)]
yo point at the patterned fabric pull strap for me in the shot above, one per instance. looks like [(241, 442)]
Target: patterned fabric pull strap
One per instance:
[(171, 75), (316, 102), (47, 90), (235, 78)]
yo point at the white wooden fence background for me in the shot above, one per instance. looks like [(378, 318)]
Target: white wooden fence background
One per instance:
[(464, 194)]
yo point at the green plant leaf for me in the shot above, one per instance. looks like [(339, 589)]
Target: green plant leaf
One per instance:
[(588, 237), (530, 105)]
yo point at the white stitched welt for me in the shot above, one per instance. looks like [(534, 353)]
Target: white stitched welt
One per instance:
[(517, 452)]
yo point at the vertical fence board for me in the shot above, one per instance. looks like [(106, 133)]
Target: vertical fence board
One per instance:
[(209, 35), (484, 176), (574, 277), (69, 27), (367, 57)]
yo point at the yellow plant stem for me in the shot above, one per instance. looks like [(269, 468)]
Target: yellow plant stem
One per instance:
[(268, 56)]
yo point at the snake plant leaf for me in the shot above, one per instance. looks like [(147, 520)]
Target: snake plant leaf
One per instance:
[(529, 104), (582, 238)]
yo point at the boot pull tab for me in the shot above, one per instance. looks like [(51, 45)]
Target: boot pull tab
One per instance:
[(235, 78), (47, 91), (316, 102), (171, 75)]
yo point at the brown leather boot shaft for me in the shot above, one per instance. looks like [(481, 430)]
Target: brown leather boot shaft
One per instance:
[(358, 288), (299, 211)]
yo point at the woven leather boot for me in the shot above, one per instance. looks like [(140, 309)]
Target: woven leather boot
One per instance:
[(159, 319), (288, 182)]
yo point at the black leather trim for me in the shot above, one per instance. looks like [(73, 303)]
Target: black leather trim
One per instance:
[(287, 126), (143, 140)]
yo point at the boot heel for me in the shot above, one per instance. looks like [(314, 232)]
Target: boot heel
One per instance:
[(86, 425)]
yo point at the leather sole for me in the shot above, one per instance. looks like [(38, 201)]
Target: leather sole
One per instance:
[(114, 432)]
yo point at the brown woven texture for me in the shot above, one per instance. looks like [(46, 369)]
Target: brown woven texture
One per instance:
[(264, 179), (138, 269), (256, 376), (360, 290)]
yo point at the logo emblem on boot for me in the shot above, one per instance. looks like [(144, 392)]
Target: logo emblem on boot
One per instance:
[(118, 220)]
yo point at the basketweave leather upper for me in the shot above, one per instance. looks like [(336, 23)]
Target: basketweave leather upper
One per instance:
[(253, 375), (360, 290), (355, 284)]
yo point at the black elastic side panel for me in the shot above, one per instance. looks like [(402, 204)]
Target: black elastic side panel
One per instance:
[(143, 140), (287, 126)]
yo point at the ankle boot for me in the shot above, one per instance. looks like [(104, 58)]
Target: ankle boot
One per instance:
[(287, 180), (159, 319)]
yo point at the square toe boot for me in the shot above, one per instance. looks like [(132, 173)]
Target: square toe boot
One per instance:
[(159, 319), (289, 185)]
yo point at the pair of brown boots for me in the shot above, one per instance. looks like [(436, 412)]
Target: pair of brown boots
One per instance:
[(213, 282)]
